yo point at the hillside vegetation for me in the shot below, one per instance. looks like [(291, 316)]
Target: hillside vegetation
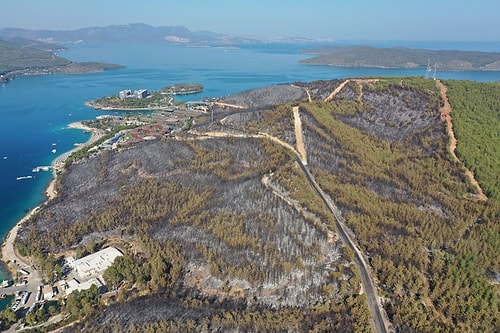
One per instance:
[(222, 230), (15, 58), (19, 57), (399, 57), (476, 119)]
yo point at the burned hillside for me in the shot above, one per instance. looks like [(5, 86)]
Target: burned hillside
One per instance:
[(231, 220)]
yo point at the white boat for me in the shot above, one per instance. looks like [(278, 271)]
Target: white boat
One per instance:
[(41, 168), (24, 177), (53, 151)]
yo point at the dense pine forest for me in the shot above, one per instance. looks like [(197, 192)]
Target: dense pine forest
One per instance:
[(476, 119), (223, 230)]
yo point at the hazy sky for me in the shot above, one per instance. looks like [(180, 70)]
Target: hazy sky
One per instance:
[(347, 19)]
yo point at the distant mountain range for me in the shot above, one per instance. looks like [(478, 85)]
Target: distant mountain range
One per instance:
[(25, 52), (135, 33)]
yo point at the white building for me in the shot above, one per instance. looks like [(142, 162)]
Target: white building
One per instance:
[(125, 93), (141, 93), (73, 284), (95, 264)]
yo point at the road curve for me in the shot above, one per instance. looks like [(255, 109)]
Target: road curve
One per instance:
[(379, 321)]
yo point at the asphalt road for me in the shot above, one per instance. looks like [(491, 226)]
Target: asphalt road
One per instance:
[(379, 323), (374, 305), (17, 263)]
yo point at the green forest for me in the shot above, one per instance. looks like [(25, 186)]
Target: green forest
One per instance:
[(432, 246), (476, 120)]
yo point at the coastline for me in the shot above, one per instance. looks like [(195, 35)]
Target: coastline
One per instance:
[(9, 255), (58, 162), (110, 108)]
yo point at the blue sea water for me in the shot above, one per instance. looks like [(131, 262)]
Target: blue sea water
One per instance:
[(35, 110)]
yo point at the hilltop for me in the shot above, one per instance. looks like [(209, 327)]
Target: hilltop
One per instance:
[(314, 206)]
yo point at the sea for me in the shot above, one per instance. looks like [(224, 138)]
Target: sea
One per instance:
[(35, 110)]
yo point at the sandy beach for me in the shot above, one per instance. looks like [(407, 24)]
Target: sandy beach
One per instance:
[(58, 163), (9, 254)]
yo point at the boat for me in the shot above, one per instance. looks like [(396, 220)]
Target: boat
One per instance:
[(24, 177), (41, 168), (53, 151)]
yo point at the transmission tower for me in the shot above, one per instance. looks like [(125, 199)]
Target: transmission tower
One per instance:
[(427, 71)]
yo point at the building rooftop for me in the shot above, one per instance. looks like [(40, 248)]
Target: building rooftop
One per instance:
[(74, 284), (96, 263)]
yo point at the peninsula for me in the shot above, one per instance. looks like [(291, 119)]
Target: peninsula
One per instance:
[(399, 57), (21, 57), (143, 99), (183, 89)]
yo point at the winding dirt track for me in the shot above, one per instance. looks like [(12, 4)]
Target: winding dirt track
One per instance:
[(446, 116)]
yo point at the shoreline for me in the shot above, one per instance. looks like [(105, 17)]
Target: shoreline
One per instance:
[(111, 108), (59, 162), (9, 255)]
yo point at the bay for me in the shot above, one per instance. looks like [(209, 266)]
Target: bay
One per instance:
[(35, 110)]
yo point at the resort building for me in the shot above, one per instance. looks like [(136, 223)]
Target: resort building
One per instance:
[(94, 264), (141, 93), (125, 93), (71, 285)]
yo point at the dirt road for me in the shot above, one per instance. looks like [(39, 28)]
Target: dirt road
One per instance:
[(301, 148), (379, 318), (446, 116), (336, 91)]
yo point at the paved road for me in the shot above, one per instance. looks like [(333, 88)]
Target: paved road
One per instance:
[(16, 263), (378, 315), (379, 323)]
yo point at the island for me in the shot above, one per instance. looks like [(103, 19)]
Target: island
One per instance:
[(23, 57), (400, 57)]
